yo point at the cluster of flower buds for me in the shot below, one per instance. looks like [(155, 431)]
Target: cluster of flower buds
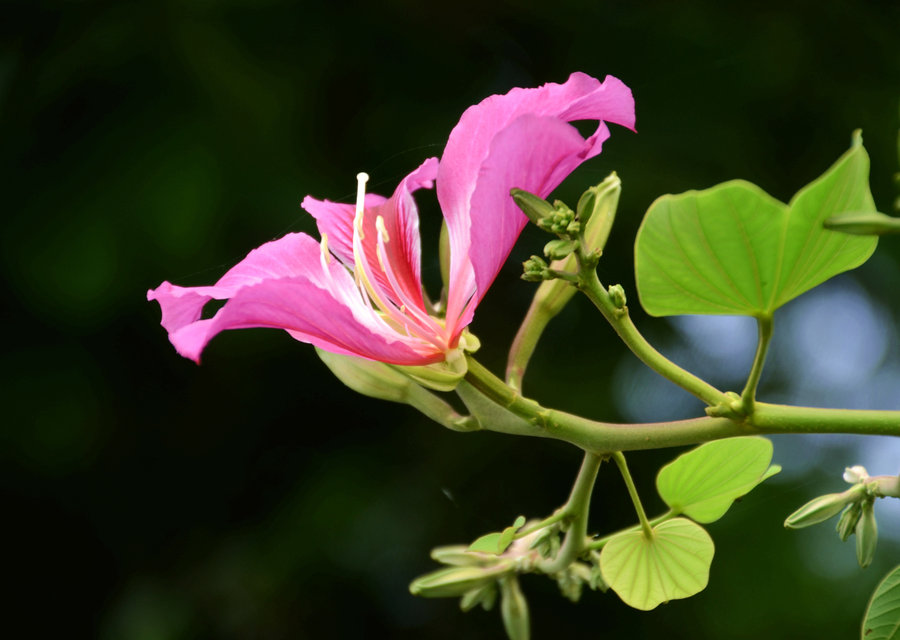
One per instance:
[(856, 506), (587, 227)]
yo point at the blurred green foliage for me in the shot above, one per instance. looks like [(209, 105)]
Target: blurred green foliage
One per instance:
[(254, 496)]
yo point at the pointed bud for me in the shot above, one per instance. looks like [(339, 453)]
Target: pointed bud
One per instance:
[(820, 509), (559, 249), (485, 595), (514, 609), (597, 211), (458, 555), (866, 535), (455, 581), (847, 523), (537, 209)]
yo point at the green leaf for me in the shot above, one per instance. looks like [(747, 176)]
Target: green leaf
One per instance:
[(646, 572), (489, 543), (703, 482), (497, 543), (734, 250), (882, 619)]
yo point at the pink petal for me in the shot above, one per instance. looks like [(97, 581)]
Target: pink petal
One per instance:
[(283, 284), (335, 219), (401, 222), (472, 144), (311, 314)]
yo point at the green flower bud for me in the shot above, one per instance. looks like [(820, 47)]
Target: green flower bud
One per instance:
[(849, 518), (559, 249), (458, 555), (514, 609), (597, 211), (617, 295), (485, 595), (455, 581), (535, 269), (820, 509), (537, 209), (866, 534)]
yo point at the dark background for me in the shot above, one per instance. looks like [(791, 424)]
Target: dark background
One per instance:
[(254, 496)]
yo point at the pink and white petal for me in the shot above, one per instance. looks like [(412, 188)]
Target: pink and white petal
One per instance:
[(335, 219), (402, 247), (311, 314)]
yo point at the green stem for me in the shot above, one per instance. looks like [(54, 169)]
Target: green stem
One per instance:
[(604, 438), (620, 320), (748, 397), (599, 543), (439, 410), (632, 491), (576, 510), (549, 299)]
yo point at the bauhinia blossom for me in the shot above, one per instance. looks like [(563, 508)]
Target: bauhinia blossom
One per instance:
[(359, 291)]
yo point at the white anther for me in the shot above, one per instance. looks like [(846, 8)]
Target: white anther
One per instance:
[(361, 180)]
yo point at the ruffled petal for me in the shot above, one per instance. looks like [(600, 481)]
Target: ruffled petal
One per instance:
[(288, 284), (311, 314), (472, 142)]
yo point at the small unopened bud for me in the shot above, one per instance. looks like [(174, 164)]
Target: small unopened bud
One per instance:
[(514, 609), (856, 473), (571, 583), (559, 249), (617, 296), (866, 535), (537, 209), (820, 509), (485, 595), (455, 581), (535, 269), (849, 518), (560, 220)]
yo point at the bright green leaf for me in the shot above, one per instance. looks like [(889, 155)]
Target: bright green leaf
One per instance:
[(734, 250), (646, 572), (882, 619), (703, 482), (489, 543), (497, 543)]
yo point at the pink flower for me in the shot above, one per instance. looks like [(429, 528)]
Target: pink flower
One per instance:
[(359, 291)]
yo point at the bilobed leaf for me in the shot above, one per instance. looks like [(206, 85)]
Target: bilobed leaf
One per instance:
[(734, 250), (703, 482), (646, 572), (882, 619)]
